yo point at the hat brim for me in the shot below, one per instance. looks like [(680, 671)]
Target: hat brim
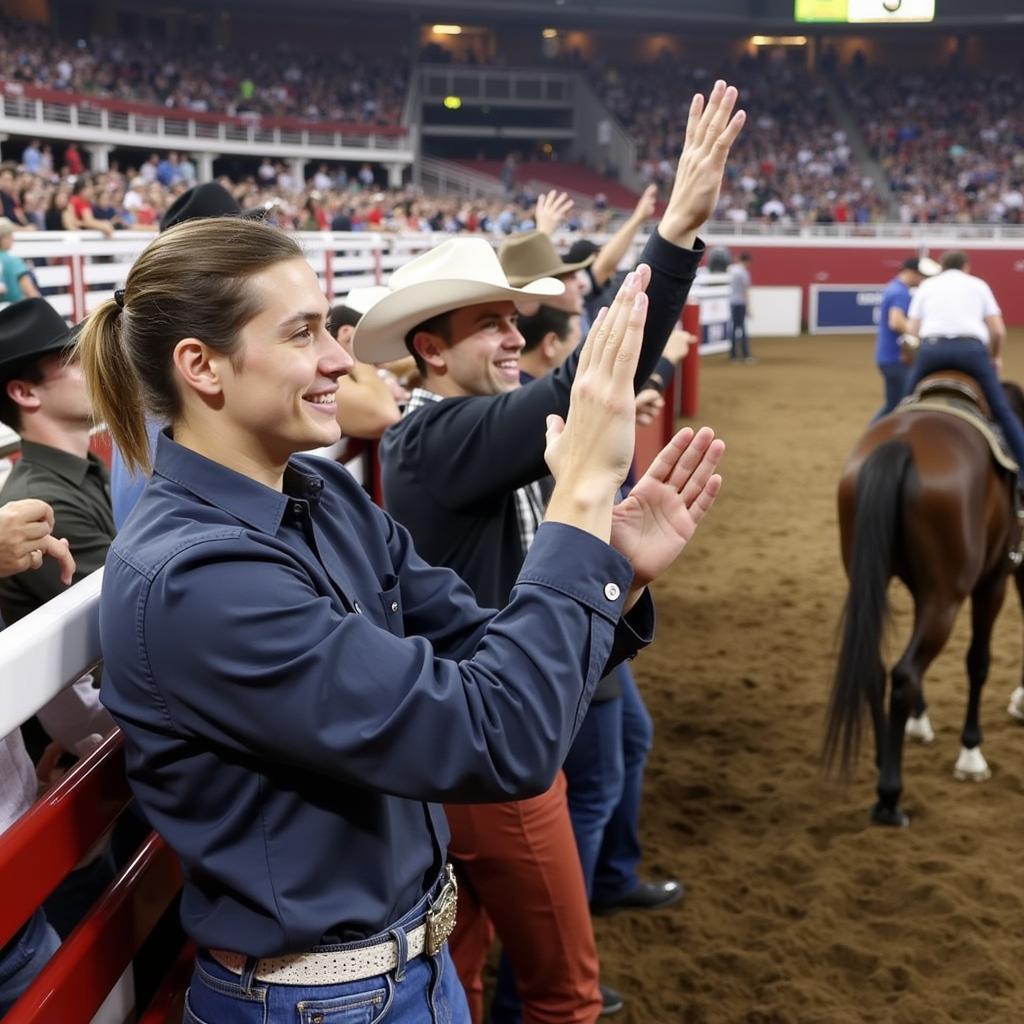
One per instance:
[(556, 271), (380, 335)]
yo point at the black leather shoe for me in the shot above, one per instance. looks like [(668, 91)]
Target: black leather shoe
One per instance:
[(646, 896), (613, 1002)]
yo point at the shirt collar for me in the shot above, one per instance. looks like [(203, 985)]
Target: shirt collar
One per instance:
[(73, 468), (419, 398), (249, 501)]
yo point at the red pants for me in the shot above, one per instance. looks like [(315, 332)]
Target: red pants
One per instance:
[(519, 874)]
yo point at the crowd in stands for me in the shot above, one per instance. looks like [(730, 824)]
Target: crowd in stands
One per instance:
[(276, 80), (331, 199), (793, 167), (950, 141)]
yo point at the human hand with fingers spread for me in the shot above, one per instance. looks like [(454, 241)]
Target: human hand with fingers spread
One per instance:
[(26, 539), (590, 452), (662, 512), (648, 404), (552, 208), (711, 130)]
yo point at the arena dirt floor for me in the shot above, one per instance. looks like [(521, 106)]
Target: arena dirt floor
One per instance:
[(798, 912)]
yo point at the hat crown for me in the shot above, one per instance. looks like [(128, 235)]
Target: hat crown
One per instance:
[(530, 255), (458, 259), (29, 328)]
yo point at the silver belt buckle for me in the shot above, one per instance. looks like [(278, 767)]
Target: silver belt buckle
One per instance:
[(441, 916)]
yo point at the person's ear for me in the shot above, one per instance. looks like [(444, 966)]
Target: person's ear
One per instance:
[(431, 349), (199, 366), (549, 345), (23, 394)]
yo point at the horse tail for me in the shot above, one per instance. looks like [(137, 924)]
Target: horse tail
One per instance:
[(860, 673)]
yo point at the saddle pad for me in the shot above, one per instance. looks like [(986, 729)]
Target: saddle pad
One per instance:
[(968, 413)]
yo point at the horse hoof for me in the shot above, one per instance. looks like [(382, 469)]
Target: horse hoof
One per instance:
[(1016, 707), (890, 817), (971, 766), (920, 729)]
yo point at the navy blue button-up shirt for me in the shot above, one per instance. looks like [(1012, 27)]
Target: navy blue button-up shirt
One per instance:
[(297, 689)]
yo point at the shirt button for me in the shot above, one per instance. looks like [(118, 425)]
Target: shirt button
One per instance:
[(611, 591), (394, 606), (357, 608)]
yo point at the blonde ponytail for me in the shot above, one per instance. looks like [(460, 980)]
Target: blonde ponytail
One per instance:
[(114, 388)]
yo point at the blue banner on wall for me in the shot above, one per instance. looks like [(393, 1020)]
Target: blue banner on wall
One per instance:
[(844, 308)]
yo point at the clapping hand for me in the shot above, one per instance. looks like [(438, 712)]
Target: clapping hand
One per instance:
[(26, 538), (662, 512)]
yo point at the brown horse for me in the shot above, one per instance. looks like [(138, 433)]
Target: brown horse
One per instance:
[(921, 499)]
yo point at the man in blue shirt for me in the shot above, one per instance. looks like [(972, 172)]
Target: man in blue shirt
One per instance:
[(892, 322)]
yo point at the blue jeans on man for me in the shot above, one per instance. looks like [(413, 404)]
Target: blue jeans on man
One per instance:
[(969, 355), (740, 340), (895, 377), (24, 957), (425, 990)]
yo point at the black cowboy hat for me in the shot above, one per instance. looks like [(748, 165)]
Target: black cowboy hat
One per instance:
[(29, 329), (207, 200)]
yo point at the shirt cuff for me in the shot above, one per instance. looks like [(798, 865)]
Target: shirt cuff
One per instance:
[(672, 259), (579, 565)]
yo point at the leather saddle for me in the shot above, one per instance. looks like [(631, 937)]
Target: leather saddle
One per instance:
[(958, 394)]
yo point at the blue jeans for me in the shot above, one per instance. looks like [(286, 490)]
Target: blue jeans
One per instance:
[(25, 958), (969, 355), (619, 857), (895, 377), (740, 341), (421, 991)]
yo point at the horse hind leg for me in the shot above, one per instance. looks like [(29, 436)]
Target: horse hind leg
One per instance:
[(1016, 705), (933, 622), (986, 601)]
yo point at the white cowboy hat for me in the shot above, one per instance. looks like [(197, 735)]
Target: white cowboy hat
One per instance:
[(459, 272), (362, 300)]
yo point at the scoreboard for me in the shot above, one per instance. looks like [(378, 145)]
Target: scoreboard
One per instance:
[(865, 11)]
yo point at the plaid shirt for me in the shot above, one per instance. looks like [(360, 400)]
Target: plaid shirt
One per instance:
[(529, 499)]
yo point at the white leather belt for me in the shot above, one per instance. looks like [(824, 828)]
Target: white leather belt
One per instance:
[(333, 967)]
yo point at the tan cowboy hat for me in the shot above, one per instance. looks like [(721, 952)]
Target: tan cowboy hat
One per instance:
[(459, 272), (531, 255), (362, 300)]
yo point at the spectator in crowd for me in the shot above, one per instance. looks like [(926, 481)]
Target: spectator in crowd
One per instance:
[(478, 514), (739, 308), (81, 216), (284, 753), (26, 543), (8, 199), (73, 159), (43, 398), (32, 157), (366, 404), (892, 323), (15, 274)]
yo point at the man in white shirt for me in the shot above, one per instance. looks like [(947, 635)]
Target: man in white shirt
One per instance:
[(961, 327)]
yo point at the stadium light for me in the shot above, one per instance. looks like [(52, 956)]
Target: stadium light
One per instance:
[(452, 102), (448, 30), (550, 33), (779, 40)]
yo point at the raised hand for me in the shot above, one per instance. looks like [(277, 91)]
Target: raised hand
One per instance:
[(711, 130), (590, 453), (648, 404), (646, 205), (552, 208), (653, 525)]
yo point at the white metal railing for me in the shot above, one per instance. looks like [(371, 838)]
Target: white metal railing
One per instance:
[(82, 119)]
